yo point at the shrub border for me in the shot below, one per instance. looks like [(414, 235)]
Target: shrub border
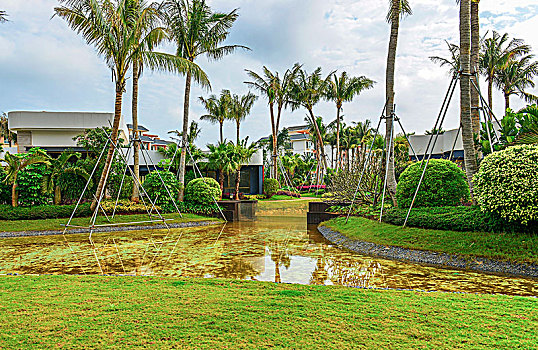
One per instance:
[(429, 258)]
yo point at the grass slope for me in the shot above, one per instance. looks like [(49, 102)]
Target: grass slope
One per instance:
[(56, 224), (129, 312), (515, 247)]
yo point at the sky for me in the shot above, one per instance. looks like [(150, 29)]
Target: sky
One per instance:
[(44, 65)]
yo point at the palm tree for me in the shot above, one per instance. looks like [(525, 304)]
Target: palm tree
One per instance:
[(278, 92), (344, 89), (240, 109), (515, 77), (453, 62), (496, 53), (3, 16), (15, 163), (471, 165), (218, 109), (398, 9), (196, 31), (475, 64), (241, 155), (113, 29), (220, 159), (59, 166), (307, 91)]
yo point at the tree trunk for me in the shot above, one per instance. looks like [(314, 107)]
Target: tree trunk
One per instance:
[(14, 194), (321, 149), (114, 137), (221, 125), (338, 107), (506, 101), (475, 57), (490, 97), (221, 182), (275, 141), (136, 143), (391, 63), (57, 195), (183, 157), (238, 124), (237, 180), (465, 100)]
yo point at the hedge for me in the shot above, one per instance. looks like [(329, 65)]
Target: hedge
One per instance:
[(459, 218), (8, 212)]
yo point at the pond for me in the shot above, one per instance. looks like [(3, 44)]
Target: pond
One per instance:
[(273, 248)]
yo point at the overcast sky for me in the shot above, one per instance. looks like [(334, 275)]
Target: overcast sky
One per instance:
[(46, 66)]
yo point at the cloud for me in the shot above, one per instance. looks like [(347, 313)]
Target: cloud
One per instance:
[(46, 66)]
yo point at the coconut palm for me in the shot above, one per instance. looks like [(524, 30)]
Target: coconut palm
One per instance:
[(496, 52), (398, 9), (471, 165), (344, 89), (240, 108), (59, 166), (515, 77), (3, 16), (196, 31), (278, 92), (453, 62), (219, 159), (218, 110), (15, 163), (113, 29), (240, 155), (307, 91)]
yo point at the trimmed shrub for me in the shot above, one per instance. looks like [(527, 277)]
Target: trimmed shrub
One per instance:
[(444, 184), (203, 191), (270, 187), (7, 212), (507, 184), (464, 219), (158, 192), (199, 209), (127, 207)]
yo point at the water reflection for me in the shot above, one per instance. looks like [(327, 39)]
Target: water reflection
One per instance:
[(276, 249)]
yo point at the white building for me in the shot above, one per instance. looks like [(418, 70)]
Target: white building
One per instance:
[(446, 142), (54, 131)]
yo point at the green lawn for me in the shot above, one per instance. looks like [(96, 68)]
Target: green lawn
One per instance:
[(128, 312), (515, 247), (56, 224)]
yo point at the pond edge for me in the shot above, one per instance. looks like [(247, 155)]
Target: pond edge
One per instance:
[(106, 229), (430, 257)]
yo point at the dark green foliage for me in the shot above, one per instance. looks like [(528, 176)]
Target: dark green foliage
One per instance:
[(444, 184), (189, 176), (8, 212), (115, 182), (158, 192), (203, 191), (270, 187), (465, 219), (187, 207), (71, 187), (5, 189), (30, 182)]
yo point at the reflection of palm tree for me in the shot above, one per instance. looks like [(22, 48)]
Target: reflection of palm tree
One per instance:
[(280, 256), (320, 274)]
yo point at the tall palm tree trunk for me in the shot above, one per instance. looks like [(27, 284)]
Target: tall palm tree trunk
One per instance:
[(14, 194), (221, 125), (319, 138), (338, 107), (114, 137), (238, 174), (275, 141), (136, 143), (391, 63), (221, 181), (475, 56), (465, 91), (506, 101), (183, 157), (490, 96)]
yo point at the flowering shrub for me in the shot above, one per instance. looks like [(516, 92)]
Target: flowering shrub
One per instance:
[(507, 184), (288, 193)]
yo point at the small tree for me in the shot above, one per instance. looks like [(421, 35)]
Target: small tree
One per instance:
[(17, 163), (59, 166)]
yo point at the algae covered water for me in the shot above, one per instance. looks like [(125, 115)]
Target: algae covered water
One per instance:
[(277, 247)]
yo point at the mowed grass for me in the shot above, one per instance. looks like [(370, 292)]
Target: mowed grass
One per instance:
[(56, 224), (515, 247), (50, 312)]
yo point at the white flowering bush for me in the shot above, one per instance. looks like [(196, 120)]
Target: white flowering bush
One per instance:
[(507, 184)]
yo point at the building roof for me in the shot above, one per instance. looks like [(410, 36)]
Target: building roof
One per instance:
[(298, 128), (297, 137), (140, 127)]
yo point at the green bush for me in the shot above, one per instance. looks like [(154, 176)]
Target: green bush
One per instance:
[(444, 184), (507, 184), (203, 191), (158, 193), (7, 212), (189, 176), (464, 219), (127, 207), (114, 184), (270, 187), (30, 183), (187, 207)]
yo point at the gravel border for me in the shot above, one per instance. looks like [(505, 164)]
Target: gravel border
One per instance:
[(106, 229), (429, 257)]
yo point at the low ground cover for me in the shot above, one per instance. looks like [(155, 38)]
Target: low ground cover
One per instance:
[(515, 247), (133, 312), (56, 224)]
